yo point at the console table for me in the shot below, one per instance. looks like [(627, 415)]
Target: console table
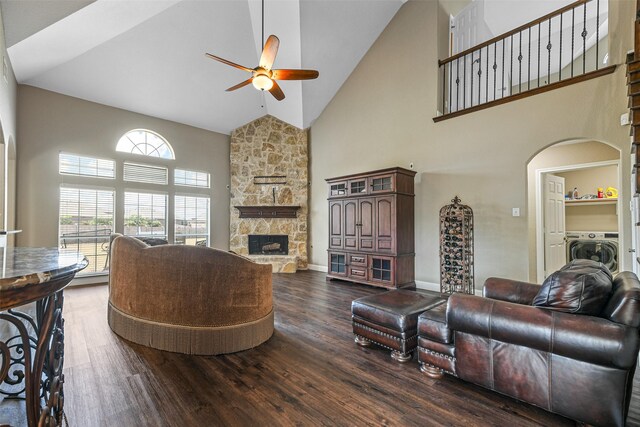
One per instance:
[(31, 360)]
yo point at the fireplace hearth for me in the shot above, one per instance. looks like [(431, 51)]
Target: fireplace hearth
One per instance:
[(268, 244)]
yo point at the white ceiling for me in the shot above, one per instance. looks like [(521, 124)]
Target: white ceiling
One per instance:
[(148, 56)]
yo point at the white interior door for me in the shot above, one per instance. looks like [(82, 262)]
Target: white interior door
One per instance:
[(555, 246)]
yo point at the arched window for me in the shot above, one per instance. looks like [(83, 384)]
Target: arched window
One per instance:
[(146, 143)]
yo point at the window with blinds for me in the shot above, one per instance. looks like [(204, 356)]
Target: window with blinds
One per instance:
[(191, 178), (149, 174), (145, 214), (85, 221), (191, 220), (74, 164)]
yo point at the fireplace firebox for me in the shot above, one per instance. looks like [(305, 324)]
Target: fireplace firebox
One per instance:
[(268, 244)]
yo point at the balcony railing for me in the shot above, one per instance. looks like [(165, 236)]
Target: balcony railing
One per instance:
[(563, 47)]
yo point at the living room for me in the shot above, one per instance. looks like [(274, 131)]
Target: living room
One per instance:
[(380, 117)]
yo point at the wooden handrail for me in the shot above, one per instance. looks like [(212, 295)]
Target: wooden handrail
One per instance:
[(514, 31)]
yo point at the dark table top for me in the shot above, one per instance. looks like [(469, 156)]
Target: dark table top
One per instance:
[(28, 267)]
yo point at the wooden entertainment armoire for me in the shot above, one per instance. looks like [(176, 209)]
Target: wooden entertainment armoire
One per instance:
[(371, 228)]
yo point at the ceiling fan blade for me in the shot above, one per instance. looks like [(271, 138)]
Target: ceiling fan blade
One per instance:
[(239, 85), (269, 52), (294, 74), (233, 64), (276, 91)]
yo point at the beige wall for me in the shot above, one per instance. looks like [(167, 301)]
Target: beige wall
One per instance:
[(587, 181), (580, 217), (382, 116), (49, 123)]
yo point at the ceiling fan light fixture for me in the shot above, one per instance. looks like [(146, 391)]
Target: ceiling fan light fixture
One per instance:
[(262, 82)]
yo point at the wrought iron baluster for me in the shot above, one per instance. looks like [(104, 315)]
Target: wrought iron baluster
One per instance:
[(486, 90), (450, 89), (584, 40), (444, 86), (471, 75), (511, 67), (480, 76), (495, 68), (520, 62), (573, 33), (502, 85), (457, 84), (529, 59), (539, 38), (464, 83), (597, 34), (560, 56), (549, 45)]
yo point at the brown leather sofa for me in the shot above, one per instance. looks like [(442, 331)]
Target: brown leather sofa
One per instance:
[(188, 299), (579, 366)]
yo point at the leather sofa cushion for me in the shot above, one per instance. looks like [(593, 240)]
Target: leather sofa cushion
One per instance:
[(398, 309), (432, 324), (582, 286), (624, 305)]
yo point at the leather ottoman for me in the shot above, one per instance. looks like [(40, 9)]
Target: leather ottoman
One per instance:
[(390, 319)]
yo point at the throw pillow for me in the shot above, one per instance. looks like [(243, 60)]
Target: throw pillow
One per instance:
[(582, 286)]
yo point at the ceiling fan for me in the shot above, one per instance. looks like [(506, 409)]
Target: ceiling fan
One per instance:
[(263, 76)]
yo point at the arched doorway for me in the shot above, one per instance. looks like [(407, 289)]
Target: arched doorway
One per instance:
[(556, 223)]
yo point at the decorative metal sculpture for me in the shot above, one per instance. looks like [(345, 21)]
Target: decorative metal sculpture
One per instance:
[(456, 248)]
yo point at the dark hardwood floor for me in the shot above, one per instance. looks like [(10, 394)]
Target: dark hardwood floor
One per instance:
[(309, 373)]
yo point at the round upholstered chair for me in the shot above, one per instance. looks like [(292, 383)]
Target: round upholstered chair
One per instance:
[(188, 299)]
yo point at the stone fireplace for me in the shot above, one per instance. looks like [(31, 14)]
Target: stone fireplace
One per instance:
[(269, 183)]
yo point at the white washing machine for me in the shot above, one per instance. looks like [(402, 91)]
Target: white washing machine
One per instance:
[(593, 245)]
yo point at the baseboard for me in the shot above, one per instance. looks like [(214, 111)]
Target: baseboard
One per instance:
[(90, 280), (428, 286), (315, 267), (436, 287)]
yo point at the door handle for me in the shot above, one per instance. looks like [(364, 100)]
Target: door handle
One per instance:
[(632, 251)]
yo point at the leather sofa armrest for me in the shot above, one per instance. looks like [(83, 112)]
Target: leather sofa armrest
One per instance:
[(581, 337), (510, 290)]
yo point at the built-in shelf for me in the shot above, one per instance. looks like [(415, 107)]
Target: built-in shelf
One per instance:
[(590, 202), (268, 211)]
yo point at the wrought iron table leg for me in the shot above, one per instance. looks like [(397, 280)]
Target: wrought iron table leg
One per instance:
[(36, 361)]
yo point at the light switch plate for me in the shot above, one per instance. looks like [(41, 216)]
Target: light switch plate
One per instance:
[(515, 212)]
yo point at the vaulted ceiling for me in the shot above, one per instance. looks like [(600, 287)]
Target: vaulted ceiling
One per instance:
[(148, 56)]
